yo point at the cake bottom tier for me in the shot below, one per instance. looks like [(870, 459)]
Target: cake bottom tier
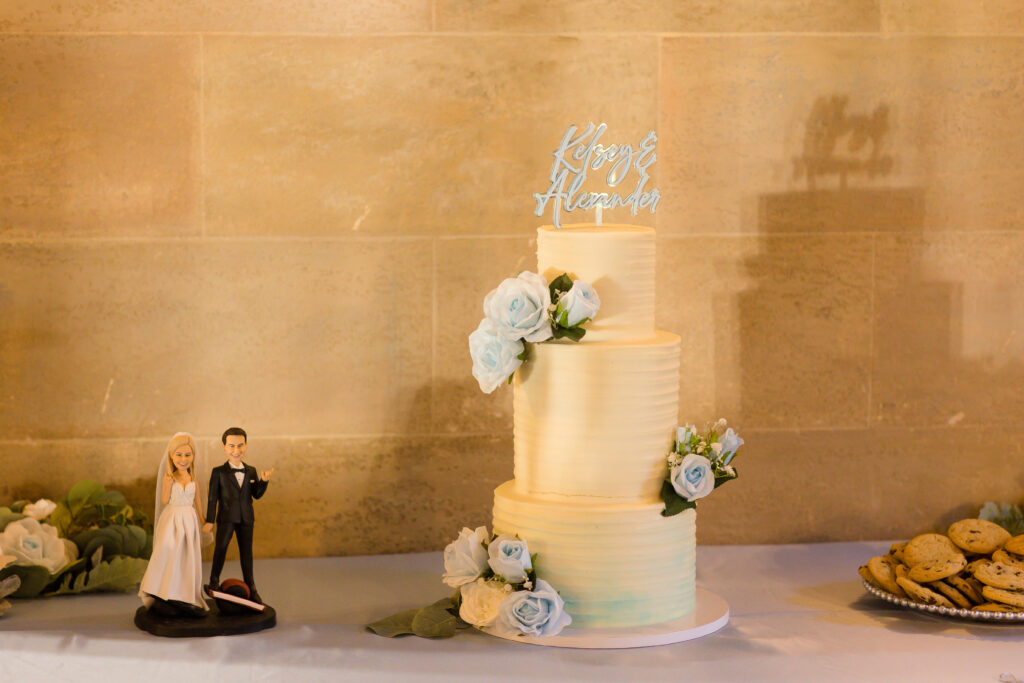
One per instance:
[(614, 564)]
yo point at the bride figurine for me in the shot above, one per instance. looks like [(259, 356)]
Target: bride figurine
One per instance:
[(173, 583)]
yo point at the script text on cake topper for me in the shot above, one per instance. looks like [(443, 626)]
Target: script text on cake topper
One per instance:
[(578, 154)]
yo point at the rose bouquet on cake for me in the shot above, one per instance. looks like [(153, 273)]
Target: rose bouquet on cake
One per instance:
[(699, 463), (497, 591), (90, 541), (524, 310)]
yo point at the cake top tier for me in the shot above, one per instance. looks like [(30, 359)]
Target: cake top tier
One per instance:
[(618, 260)]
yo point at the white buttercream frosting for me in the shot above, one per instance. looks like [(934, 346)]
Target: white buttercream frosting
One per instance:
[(613, 564), (618, 261), (593, 424), (596, 420)]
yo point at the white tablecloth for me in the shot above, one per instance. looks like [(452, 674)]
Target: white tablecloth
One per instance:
[(798, 613)]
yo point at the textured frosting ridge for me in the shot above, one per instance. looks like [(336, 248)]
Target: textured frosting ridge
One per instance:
[(613, 564), (596, 420), (618, 260)]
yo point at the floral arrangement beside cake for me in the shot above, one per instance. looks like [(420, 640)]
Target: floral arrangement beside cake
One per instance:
[(90, 541), (597, 529)]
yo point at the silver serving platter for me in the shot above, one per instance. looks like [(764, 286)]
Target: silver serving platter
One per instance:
[(955, 612)]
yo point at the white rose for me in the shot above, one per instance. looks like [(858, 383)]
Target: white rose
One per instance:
[(518, 307), (509, 558), (32, 543), (495, 358), (40, 509), (578, 304), (693, 477), (465, 558), (481, 601)]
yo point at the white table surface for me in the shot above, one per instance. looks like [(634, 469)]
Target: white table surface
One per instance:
[(798, 613)]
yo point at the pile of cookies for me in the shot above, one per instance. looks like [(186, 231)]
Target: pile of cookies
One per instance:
[(976, 565)]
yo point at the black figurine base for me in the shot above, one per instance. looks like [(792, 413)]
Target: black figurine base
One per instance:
[(215, 623)]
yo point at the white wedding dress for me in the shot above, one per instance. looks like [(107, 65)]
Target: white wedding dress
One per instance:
[(175, 570)]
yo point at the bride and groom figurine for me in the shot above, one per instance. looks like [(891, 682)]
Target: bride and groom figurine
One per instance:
[(172, 584)]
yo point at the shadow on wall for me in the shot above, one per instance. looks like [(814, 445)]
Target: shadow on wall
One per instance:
[(861, 317)]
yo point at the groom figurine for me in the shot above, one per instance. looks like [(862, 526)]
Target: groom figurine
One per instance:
[(233, 486)]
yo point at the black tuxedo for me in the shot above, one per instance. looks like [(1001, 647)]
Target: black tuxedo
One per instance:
[(230, 505)]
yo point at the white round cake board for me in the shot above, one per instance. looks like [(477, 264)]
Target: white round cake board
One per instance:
[(710, 614)]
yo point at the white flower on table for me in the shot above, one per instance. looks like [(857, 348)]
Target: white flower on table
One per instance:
[(39, 510), (518, 307), (465, 558), (33, 543), (481, 600)]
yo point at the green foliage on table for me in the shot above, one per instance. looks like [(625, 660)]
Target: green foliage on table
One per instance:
[(438, 620), (119, 574), (110, 534)]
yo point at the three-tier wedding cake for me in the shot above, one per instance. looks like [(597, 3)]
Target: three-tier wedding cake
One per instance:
[(593, 423)]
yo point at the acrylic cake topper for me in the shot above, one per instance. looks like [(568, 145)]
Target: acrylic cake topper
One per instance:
[(578, 154)]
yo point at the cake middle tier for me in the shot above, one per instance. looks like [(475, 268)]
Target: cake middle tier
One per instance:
[(596, 420)]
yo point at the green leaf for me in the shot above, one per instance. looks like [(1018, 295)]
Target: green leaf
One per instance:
[(82, 493), (396, 625), (435, 621), (562, 283), (33, 579), (61, 518), (7, 516), (574, 333), (19, 505), (119, 574), (674, 503), (139, 542), (721, 478)]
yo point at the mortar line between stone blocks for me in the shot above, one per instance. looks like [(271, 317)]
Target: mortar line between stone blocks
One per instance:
[(433, 333), (871, 325), (525, 34), (202, 136)]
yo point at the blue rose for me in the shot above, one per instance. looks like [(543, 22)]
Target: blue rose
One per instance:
[(495, 357), (683, 435), (693, 478), (509, 558), (579, 304), (518, 307), (539, 612), (730, 444)]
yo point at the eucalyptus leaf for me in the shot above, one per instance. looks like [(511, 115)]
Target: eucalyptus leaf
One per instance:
[(82, 493), (139, 540), (33, 579), (7, 516), (396, 625), (119, 574), (60, 518), (435, 621)]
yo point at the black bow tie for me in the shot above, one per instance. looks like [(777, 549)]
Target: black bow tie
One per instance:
[(237, 469)]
